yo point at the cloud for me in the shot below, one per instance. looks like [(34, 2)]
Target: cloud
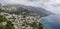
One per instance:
[(50, 5), (33, 0), (53, 6), (36, 3)]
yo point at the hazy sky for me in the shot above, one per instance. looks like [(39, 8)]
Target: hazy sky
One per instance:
[(50, 5)]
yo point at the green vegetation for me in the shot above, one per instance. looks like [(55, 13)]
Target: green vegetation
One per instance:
[(2, 19), (40, 26), (19, 11), (36, 26), (9, 24), (1, 10)]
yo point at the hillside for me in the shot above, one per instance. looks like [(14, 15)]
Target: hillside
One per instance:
[(40, 11), (23, 17)]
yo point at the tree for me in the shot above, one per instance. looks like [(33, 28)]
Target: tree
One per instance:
[(9, 24)]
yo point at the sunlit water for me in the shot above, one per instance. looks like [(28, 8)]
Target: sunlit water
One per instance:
[(51, 22)]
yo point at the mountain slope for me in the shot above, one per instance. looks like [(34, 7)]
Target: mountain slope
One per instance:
[(40, 11)]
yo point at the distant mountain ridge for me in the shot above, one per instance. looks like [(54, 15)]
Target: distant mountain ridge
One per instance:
[(39, 10), (0, 4)]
